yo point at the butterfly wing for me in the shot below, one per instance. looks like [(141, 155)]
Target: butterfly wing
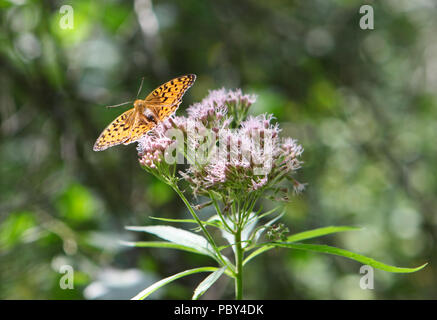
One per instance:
[(140, 128), (165, 99), (117, 132)]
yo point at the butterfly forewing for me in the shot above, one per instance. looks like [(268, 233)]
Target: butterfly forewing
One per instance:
[(171, 92), (118, 131)]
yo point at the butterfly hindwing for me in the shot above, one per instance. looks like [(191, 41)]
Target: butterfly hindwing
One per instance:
[(140, 128)]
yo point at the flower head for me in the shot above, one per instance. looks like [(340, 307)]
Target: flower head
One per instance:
[(226, 150)]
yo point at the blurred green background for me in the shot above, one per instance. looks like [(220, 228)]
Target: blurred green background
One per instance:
[(361, 102)]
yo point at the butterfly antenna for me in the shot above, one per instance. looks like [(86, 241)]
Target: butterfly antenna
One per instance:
[(141, 86), (118, 105)]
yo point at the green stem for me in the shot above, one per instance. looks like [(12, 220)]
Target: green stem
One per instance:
[(199, 222), (219, 212), (238, 266)]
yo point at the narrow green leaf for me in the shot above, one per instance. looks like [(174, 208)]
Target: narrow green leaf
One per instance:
[(174, 220), (149, 290), (178, 236), (302, 236), (347, 254), (265, 214), (319, 232), (160, 244), (207, 283), (184, 221), (212, 221)]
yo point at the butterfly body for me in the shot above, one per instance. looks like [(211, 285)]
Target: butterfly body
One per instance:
[(134, 123)]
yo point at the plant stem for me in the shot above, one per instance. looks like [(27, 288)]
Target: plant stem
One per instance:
[(199, 222), (219, 212), (238, 265)]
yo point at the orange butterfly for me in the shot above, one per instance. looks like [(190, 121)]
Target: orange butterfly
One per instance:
[(146, 114)]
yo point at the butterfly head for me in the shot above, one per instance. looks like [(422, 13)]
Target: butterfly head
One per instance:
[(140, 105)]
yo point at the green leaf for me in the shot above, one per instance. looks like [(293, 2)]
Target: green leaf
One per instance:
[(178, 236), (212, 221), (174, 220), (149, 290), (347, 254), (209, 223), (319, 232), (302, 236), (265, 214), (207, 283), (160, 244)]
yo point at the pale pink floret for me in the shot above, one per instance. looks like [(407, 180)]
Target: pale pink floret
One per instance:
[(261, 183), (152, 146)]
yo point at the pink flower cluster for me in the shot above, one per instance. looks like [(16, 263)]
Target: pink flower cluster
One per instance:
[(246, 158), (247, 154), (217, 102)]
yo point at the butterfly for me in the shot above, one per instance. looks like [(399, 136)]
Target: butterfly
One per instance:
[(133, 124)]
